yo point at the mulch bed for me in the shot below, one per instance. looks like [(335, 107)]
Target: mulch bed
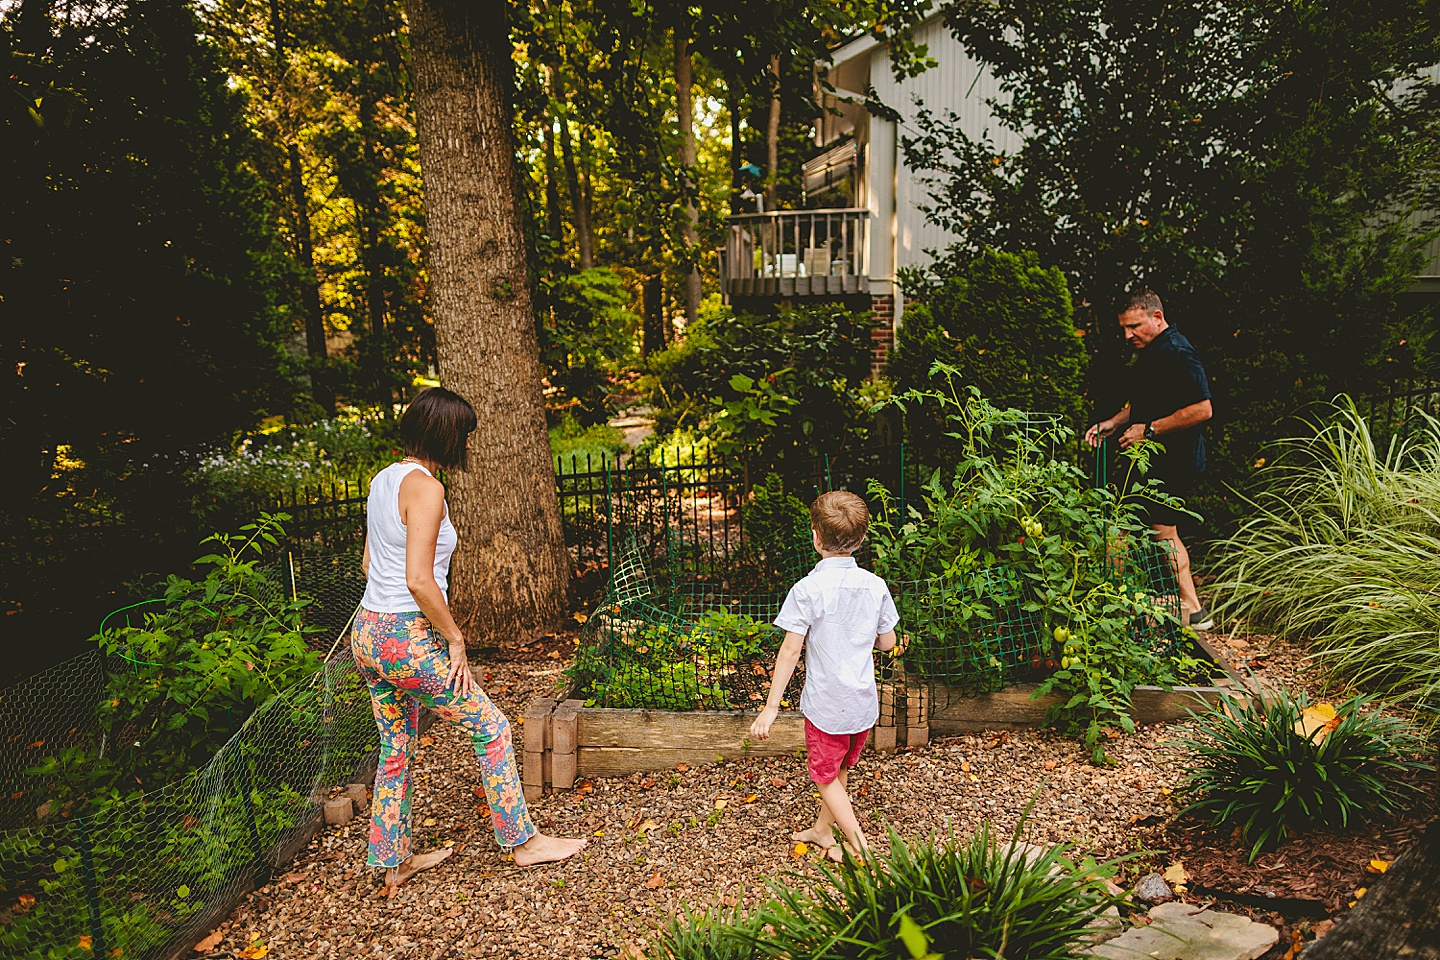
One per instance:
[(694, 836)]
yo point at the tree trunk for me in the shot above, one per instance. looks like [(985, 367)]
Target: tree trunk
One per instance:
[(577, 197), (1399, 915), (685, 110), (772, 137), (511, 566), (653, 334), (555, 225), (310, 282)]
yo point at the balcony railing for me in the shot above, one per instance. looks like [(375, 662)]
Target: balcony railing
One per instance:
[(796, 253)]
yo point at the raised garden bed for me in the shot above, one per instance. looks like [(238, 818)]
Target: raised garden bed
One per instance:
[(577, 741)]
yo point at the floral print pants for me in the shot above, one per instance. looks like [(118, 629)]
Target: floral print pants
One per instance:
[(405, 664)]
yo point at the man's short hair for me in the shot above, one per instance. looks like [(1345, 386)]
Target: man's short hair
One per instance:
[(840, 519), (1141, 298), (435, 427)]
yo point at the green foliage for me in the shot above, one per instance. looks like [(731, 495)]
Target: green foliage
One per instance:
[(349, 447), (1273, 768), (586, 331), (785, 386), (955, 897), (577, 448), (1259, 165), (775, 521), (1014, 560), (714, 935), (1001, 320), (674, 664), (1339, 550), (187, 679)]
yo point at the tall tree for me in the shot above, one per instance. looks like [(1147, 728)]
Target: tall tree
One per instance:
[(512, 569), (685, 115)]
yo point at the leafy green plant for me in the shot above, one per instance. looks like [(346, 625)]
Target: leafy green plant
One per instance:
[(587, 331), (800, 375), (578, 448), (714, 935), (1004, 323), (956, 897), (1339, 549), (1014, 561), (187, 679), (775, 521), (1274, 768)]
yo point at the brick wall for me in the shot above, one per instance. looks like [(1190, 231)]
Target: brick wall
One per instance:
[(882, 338)]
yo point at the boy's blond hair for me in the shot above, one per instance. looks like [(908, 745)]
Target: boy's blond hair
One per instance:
[(840, 519)]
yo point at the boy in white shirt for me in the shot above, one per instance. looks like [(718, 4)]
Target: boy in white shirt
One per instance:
[(847, 612)]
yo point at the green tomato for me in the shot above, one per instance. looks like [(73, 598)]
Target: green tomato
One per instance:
[(1062, 635), (1065, 663)]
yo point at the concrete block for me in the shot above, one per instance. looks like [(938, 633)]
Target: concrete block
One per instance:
[(565, 728), (533, 793), (562, 770), (360, 794), (339, 811), (884, 739), (532, 769), (917, 735)]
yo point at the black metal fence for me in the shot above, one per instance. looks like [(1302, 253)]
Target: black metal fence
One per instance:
[(1395, 413)]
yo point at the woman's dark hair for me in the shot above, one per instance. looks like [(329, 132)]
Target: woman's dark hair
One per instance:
[(435, 427)]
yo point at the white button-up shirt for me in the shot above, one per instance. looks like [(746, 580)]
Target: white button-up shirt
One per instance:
[(843, 609)]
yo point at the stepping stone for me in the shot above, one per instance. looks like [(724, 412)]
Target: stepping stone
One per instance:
[(1181, 931)]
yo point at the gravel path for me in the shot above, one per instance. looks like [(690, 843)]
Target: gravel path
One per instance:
[(684, 837)]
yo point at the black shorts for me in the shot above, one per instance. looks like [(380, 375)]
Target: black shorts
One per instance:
[(1154, 514)]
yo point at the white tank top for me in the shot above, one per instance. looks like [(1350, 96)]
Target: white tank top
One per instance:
[(385, 589)]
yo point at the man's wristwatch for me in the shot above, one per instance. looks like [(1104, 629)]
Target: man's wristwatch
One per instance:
[(1149, 431)]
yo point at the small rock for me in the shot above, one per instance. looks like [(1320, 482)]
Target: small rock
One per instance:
[(1152, 888)]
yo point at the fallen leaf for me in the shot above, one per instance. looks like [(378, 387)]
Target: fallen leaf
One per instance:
[(598, 833), (1377, 866), (647, 784), (26, 902), (721, 803), (586, 786), (655, 881), (777, 782), (799, 850), (964, 766), (553, 654), (1317, 718), (1360, 892), (1175, 874), (210, 942), (751, 798), (258, 950), (648, 826), (1322, 927), (429, 822), (682, 767), (1049, 764), (426, 741), (581, 618), (85, 943)]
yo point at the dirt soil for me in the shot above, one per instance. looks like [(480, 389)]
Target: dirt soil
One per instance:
[(692, 836)]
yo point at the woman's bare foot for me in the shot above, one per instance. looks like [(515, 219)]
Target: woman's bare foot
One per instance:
[(837, 851), (824, 839), (420, 861), (543, 849)]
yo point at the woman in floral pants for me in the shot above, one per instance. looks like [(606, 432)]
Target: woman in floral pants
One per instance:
[(400, 642)]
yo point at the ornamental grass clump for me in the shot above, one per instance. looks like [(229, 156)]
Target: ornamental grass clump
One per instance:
[(1277, 767), (1341, 549), (956, 897)]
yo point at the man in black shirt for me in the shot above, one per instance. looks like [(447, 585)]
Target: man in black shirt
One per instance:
[(1169, 400)]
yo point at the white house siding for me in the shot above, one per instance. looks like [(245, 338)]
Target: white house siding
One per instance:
[(956, 84)]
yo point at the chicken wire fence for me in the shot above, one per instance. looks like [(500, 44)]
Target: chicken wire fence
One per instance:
[(147, 874), (671, 633)]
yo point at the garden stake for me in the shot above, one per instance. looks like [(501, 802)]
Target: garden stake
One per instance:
[(92, 895), (242, 777)]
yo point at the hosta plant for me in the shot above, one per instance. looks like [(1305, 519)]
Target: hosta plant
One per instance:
[(1276, 767)]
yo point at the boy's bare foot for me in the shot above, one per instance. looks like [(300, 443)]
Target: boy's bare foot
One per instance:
[(395, 876), (815, 836), (543, 849)]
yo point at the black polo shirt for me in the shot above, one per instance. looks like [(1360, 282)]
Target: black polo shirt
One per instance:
[(1167, 376)]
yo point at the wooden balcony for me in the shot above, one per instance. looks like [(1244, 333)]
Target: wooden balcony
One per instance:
[(796, 253)]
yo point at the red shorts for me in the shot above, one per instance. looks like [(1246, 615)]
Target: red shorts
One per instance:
[(826, 753)]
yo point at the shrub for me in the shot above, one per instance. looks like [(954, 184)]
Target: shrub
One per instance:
[(272, 464), (1340, 549), (1004, 323), (789, 385), (1013, 560), (587, 331), (968, 897), (775, 522), (578, 448), (187, 679), (1274, 768)]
